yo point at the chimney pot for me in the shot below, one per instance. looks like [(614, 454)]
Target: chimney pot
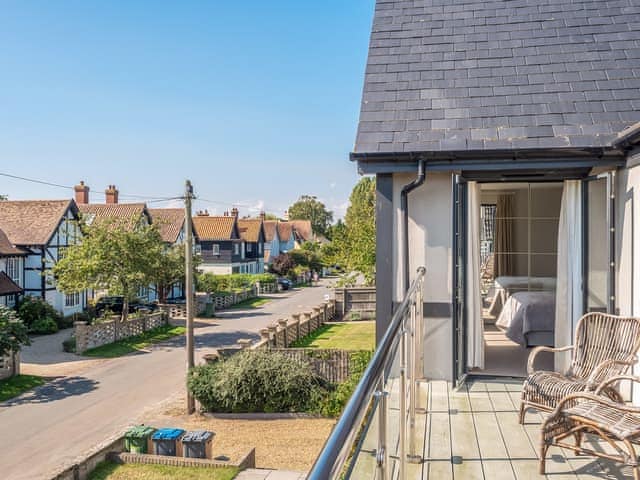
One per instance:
[(81, 193), (234, 212), (111, 195)]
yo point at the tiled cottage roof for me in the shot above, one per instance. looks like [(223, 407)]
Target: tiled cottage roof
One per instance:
[(214, 228), (8, 286), (284, 231), (7, 249), (302, 229), (128, 214), (32, 222), (270, 229), (250, 229), (502, 74), (169, 221)]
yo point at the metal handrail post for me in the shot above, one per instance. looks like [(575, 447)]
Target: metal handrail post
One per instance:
[(382, 453), (402, 449), (413, 456)]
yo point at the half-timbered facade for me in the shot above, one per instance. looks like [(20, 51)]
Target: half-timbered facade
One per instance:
[(43, 229), (11, 271)]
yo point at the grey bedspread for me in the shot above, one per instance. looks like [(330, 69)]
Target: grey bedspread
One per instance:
[(525, 313)]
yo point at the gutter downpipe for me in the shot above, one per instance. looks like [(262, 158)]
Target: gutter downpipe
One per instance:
[(404, 209)]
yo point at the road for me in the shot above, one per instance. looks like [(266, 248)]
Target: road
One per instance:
[(50, 428)]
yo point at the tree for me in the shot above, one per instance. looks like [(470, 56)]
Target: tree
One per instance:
[(356, 242), (282, 264), (168, 269), (112, 257), (13, 333), (310, 208)]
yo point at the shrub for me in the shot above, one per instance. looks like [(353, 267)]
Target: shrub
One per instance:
[(333, 404), (44, 326), (33, 309), (211, 283), (69, 345), (256, 381)]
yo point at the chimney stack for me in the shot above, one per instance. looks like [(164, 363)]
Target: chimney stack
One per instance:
[(234, 212), (82, 193), (202, 213), (263, 216), (111, 194), (285, 217)]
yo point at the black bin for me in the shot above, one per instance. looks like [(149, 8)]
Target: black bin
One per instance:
[(197, 444)]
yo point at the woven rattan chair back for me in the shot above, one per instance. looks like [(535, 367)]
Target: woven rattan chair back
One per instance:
[(601, 337)]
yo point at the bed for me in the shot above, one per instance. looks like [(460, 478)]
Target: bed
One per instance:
[(528, 318), (504, 286)]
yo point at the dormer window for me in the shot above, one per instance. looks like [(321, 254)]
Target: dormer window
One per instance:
[(215, 249)]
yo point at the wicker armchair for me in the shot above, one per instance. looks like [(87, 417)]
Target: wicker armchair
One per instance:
[(604, 347), (579, 413)]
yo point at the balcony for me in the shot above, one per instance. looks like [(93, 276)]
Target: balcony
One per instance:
[(400, 426)]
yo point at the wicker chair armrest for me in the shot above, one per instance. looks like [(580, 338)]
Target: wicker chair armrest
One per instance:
[(601, 399), (609, 381), (537, 350), (594, 379)]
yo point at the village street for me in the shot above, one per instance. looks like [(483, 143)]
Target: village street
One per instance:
[(58, 422)]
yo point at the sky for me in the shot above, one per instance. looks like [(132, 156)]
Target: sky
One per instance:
[(255, 102)]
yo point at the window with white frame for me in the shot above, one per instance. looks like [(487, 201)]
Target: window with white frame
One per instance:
[(72, 299), (215, 249), (13, 268), (143, 291)]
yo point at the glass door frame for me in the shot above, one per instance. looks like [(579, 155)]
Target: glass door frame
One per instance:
[(610, 178), (459, 279)]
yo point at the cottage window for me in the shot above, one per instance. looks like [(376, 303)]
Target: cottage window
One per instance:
[(72, 299), (236, 249), (13, 268), (215, 249), (260, 248), (249, 247)]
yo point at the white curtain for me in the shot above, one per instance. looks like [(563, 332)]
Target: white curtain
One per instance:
[(475, 335), (569, 283)]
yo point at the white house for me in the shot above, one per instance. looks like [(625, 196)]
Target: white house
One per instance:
[(43, 228)]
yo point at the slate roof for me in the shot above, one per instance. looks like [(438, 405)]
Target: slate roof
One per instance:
[(8, 286), (128, 214), (169, 221), (250, 229), (32, 222), (270, 229), (214, 228), (503, 74), (7, 249)]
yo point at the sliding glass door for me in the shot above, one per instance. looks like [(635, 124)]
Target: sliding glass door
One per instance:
[(598, 243)]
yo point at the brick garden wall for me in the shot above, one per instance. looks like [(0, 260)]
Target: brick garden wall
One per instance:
[(103, 333)]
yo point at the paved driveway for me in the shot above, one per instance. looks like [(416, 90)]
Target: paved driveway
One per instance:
[(49, 428)]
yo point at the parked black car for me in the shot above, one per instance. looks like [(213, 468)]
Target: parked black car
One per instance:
[(115, 304), (285, 283)]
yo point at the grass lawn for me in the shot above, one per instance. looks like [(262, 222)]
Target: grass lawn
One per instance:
[(251, 303), (14, 386), (134, 344), (112, 471), (343, 335)]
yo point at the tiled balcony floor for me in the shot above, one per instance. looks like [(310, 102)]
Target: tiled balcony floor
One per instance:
[(473, 433)]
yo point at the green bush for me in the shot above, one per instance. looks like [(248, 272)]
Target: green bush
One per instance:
[(211, 283), (333, 404), (69, 345), (257, 381), (35, 309), (44, 326)]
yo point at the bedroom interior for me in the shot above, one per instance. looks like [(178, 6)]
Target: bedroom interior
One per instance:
[(518, 228)]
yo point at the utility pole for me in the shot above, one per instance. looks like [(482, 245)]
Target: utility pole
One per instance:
[(188, 284)]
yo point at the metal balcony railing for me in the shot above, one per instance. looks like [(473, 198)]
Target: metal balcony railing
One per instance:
[(375, 435)]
